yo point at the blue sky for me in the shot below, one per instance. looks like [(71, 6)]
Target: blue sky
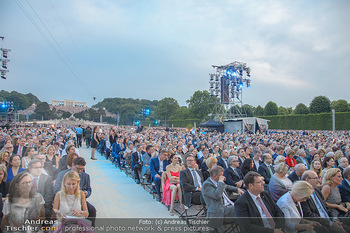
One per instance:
[(152, 49)]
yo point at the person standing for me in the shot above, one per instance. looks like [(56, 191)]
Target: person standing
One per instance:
[(87, 136), (94, 142), (79, 133)]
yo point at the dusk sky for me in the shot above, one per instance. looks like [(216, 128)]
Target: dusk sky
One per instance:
[(151, 49)]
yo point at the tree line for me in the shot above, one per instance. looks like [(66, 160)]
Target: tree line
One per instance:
[(199, 106)]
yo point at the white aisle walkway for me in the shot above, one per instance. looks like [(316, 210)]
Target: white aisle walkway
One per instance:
[(117, 196)]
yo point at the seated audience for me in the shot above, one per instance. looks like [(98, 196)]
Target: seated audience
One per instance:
[(233, 174), (211, 162), (172, 188), (344, 188), (255, 208), (158, 166), (343, 163), (331, 194), (42, 184), (78, 165), (266, 169), (216, 196), (14, 167), (4, 185), (299, 169), (70, 201), (302, 158), (4, 157), (316, 167), (279, 183), (27, 157), (223, 160), (289, 203), (23, 203), (328, 163), (52, 157), (290, 158), (136, 163), (316, 209), (247, 166), (191, 181)]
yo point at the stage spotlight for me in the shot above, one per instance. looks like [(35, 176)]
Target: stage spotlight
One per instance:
[(3, 74), (240, 85), (4, 64), (137, 122)]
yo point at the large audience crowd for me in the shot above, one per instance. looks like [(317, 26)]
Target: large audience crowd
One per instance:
[(277, 181)]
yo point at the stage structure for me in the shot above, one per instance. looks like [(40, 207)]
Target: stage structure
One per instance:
[(227, 83), (3, 59)]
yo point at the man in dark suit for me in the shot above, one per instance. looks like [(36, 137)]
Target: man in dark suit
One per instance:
[(84, 184), (21, 148), (158, 166), (299, 169), (242, 156), (42, 184), (191, 181), (233, 174), (223, 160), (220, 207), (136, 163), (256, 210), (315, 207), (344, 188), (257, 159), (266, 169)]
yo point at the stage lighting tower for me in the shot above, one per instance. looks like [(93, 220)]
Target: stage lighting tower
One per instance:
[(4, 60), (227, 83)]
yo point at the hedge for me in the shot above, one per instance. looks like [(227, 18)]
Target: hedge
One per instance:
[(321, 121)]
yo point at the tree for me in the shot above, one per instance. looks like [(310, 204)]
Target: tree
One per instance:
[(42, 110), (259, 111), (340, 105), (271, 109), (320, 104), (181, 113), (247, 109), (166, 108), (201, 104), (301, 109), (282, 111)]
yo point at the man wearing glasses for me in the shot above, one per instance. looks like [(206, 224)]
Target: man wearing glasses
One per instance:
[(191, 181), (315, 207), (256, 210), (42, 184)]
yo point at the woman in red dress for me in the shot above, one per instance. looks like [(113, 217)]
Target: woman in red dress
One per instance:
[(290, 159), (172, 188)]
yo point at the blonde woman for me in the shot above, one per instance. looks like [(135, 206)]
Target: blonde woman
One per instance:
[(4, 186), (52, 157), (4, 157), (331, 194), (289, 203), (70, 201)]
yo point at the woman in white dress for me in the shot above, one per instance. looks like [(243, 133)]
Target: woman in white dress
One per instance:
[(70, 201)]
